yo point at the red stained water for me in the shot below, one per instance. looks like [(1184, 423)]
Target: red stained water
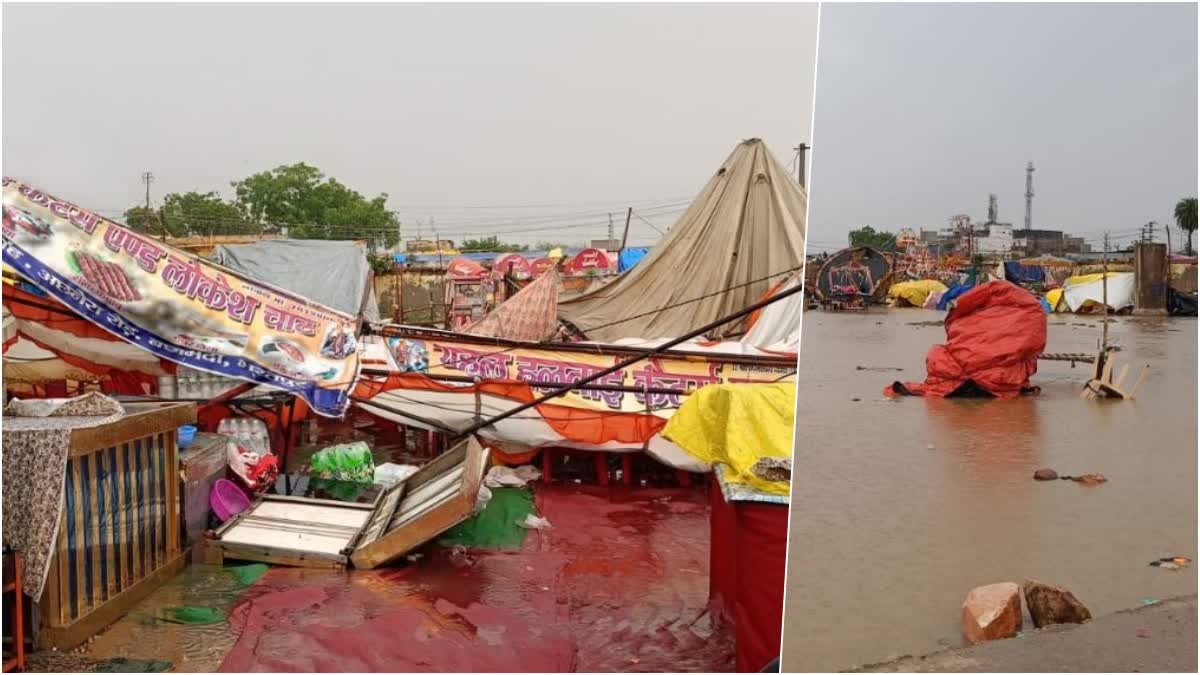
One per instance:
[(619, 584)]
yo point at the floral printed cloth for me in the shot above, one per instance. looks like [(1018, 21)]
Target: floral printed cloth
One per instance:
[(531, 314), (37, 438)]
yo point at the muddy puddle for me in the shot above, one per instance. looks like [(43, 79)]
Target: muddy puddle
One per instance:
[(899, 508)]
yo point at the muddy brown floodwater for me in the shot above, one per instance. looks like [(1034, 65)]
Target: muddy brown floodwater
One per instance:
[(900, 508)]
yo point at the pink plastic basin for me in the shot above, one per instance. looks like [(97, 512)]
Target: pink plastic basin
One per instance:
[(227, 499)]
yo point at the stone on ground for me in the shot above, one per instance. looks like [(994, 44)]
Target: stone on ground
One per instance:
[(992, 612), (1050, 605)]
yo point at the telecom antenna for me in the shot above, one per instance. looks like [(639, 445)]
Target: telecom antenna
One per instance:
[(1029, 196)]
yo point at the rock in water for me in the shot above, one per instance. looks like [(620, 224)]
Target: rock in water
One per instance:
[(1045, 474), (1050, 605), (992, 612)]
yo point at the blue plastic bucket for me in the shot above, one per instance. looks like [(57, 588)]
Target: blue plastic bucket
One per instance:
[(187, 434)]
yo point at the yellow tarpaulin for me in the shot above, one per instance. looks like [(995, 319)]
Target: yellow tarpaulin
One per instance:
[(915, 292), (737, 425), (1054, 298)]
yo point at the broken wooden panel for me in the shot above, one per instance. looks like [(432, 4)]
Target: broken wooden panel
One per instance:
[(436, 498), (306, 532), (294, 531)]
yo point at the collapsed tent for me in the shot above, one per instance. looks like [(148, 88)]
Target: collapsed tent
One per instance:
[(443, 381), (914, 293), (52, 341), (855, 272), (172, 304), (630, 257), (530, 314), (776, 327), (1020, 273), (1086, 293), (742, 233), (952, 294), (344, 282), (994, 336)]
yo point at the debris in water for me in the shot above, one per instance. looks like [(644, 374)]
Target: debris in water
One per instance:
[(533, 522), (1146, 602), (1172, 563), (124, 665), (1045, 474), (879, 369), (1143, 632), (1087, 478), (247, 574)]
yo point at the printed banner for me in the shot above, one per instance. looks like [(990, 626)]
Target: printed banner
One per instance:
[(546, 370), (178, 306)]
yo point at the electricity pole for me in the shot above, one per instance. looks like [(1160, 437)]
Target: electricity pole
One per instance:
[(148, 178), (625, 235), (801, 151)]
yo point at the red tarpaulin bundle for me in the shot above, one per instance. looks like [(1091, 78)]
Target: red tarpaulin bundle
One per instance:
[(994, 336)]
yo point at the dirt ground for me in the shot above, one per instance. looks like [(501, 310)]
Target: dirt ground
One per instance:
[(1156, 638)]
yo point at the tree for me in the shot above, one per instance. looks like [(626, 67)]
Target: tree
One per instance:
[(491, 243), (197, 214), (144, 220), (313, 206), (869, 236), (1185, 218)]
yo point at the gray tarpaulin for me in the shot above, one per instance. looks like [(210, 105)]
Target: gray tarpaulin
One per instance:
[(741, 235), (331, 273)]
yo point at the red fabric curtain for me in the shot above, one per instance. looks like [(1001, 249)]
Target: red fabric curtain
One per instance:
[(761, 561), (722, 566)]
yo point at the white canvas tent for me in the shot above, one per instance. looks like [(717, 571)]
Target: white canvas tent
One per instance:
[(742, 234)]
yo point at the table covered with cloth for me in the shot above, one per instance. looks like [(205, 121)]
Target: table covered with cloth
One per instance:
[(37, 438)]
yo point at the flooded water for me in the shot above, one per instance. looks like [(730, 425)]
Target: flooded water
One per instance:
[(618, 584), (899, 508)]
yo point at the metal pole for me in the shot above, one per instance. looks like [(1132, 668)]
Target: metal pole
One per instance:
[(625, 236), (619, 366), (1104, 286)]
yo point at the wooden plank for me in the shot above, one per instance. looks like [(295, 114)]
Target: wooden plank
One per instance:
[(160, 507), (1121, 376), (94, 526), (280, 556), (1137, 384), (60, 603), (123, 513), (141, 420), (110, 541), (317, 502), (80, 581), (151, 496), (135, 571), (171, 475)]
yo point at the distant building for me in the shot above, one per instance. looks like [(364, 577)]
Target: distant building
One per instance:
[(607, 244), (428, 245), (993, 239), (1033, 242), (906, 237)]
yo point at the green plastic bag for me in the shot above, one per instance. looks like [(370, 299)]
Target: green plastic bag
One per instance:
[(348, 461)]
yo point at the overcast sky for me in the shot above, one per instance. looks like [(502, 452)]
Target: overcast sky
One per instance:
[(922, 110), (576, 109)]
